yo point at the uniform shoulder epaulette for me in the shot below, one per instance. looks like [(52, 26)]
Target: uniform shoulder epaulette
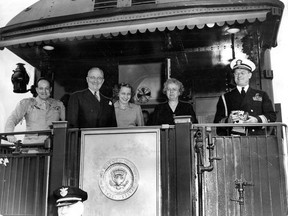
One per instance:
[(28, 100)]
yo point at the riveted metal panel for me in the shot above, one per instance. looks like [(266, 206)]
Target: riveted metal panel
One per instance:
[(23, 184), (256, 160)]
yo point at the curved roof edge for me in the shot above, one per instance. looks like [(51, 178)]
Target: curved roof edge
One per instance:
[(160, 18), (49, 11)]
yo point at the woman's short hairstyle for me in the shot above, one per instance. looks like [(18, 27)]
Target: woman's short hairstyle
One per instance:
[(175, 81), (118, 88)]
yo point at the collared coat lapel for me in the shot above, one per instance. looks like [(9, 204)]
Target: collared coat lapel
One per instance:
[(85, 111)]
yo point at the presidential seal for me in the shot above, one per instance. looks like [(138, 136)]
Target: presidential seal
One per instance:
[(118, 179)]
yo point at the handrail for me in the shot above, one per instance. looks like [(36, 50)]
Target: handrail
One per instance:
[(18, 148), (209, 128), (239, 124), (49, 131)]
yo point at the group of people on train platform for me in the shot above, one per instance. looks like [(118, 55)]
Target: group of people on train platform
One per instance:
[(89, 108)]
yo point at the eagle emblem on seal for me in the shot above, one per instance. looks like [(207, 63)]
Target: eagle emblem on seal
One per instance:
[(118, 178)]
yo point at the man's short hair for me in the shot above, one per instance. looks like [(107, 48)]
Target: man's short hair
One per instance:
[(44, 78), (95, 68)]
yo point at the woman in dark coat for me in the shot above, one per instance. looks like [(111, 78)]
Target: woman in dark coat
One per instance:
[(164, 113)]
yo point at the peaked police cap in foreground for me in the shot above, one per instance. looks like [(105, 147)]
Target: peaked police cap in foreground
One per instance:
[(243, 64), (67, 195)]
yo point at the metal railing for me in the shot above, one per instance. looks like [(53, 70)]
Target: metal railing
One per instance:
[(24, 172), (27, 179), (242, 160)]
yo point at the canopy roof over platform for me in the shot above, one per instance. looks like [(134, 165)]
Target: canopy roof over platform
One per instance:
[(50, 21)]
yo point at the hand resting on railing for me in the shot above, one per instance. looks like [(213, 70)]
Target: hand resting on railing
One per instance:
[(11, 138)]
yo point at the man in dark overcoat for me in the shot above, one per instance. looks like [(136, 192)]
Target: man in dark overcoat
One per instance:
[(89, 108)]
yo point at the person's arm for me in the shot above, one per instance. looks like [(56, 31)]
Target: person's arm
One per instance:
[(113, 121), (62, 112), (193, 115), (72, 111), (220, 116), (16, 116), (139, 116), (155, 117), (268, 110)]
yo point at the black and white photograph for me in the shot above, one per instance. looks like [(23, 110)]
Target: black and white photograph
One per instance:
[(143, 107)]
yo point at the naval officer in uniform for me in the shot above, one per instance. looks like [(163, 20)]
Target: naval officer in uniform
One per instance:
[(69, 200), (244, 104)]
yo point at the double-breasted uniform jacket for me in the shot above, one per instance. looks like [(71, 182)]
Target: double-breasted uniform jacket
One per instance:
[(85, 111), (256, 102), (163, 114)]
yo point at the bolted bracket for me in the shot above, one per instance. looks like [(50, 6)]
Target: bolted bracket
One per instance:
[(240, 185)]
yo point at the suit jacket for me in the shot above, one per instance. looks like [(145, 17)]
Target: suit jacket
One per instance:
[(163, 114), (256, 102), (85, 111)]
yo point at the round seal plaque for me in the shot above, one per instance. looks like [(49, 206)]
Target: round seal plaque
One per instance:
[(118, 179)]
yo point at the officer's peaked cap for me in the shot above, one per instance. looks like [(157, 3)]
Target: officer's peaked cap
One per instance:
[(243, 64), (67, 195)]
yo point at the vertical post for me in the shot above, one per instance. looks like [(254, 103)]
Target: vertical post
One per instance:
[(168, 171), (57, 165), (184, 165)]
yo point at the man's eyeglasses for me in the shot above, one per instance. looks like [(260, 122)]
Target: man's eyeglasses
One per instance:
[(240, 73), (100, 79)]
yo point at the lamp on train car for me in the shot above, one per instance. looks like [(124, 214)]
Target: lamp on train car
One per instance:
[(20, 79), (233, 30), (48, 48)]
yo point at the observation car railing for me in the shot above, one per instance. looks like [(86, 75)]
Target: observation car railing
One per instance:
[(200, 170), (247, 173), (24, 173)]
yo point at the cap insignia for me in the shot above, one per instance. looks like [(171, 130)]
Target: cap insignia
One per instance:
[(239, 62), (63, 192)]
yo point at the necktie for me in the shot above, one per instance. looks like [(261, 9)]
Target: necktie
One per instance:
[(243, 93), (97, 96), (46, 105)]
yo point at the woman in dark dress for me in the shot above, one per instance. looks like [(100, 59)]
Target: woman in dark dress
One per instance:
[(164, 113)]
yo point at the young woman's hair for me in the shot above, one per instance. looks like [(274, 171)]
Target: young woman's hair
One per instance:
[(117, 89)]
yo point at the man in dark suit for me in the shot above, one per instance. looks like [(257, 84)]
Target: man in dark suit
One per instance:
[(244, 104), (89, 108)]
